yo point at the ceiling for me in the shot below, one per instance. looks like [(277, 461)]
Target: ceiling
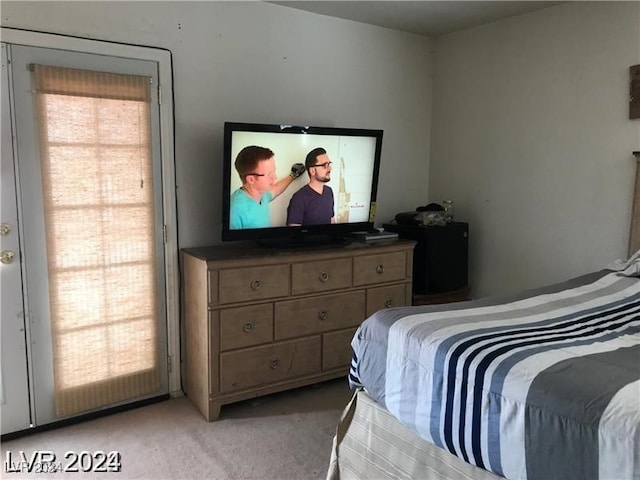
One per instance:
[(423, 17)]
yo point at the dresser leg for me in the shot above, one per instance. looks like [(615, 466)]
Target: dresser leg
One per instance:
[(214, 411)]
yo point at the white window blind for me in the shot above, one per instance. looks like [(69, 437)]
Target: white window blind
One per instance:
[(99, 227)]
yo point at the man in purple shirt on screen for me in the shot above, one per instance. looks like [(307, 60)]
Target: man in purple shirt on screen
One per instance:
[(313, 203)]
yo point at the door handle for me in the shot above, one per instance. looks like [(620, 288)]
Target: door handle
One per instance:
[(6, 256)]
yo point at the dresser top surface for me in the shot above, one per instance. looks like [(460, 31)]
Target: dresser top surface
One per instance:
[(244, 250)]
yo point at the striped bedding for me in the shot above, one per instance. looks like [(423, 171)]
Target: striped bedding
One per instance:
[(540, 386)]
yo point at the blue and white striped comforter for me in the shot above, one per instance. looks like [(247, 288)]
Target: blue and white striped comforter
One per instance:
[(542, 386)]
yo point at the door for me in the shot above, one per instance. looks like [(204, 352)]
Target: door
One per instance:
[(92, 232), (14, 384)]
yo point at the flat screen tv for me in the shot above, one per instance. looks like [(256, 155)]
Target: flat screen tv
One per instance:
[(353, 158)]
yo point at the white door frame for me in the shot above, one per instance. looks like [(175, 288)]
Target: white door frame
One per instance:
[(15, 388), (164, 61)]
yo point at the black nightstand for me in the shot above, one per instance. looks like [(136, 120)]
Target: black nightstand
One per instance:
[(440, 261)]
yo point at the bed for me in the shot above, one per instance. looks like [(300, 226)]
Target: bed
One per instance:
[(544, 385)]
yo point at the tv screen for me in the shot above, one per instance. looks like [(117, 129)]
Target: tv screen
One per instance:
[(272, 198)]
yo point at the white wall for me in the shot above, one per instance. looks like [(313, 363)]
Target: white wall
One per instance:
[(532, 140), (258, 62)]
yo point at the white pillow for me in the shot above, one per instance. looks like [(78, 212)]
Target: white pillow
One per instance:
[(627, 268)]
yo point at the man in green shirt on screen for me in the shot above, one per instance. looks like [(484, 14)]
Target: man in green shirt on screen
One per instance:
[(250, 203)]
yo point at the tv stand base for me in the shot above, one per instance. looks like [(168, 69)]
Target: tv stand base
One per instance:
[(304, 243)]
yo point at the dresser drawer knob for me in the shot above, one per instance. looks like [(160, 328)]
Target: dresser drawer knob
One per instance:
[(324, 277), (380, 269), (323, 315), (256, 284), (248, 327), (274, 363), (388, 303)]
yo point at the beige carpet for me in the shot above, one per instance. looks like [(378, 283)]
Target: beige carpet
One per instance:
[(283, 436)]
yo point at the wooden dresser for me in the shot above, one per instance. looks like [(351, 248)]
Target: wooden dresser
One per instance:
[(259, 321)]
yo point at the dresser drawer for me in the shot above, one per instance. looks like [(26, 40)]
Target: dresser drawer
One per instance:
[(253, 283), (385, 267), (248, 368), (336, 349), (320, 276), (385, 297), (246, 326), (294, 318)]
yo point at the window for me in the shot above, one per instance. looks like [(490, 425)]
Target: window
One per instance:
[(99, 228)]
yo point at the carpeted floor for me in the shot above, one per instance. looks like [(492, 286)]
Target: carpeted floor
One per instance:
[(283, 436)]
